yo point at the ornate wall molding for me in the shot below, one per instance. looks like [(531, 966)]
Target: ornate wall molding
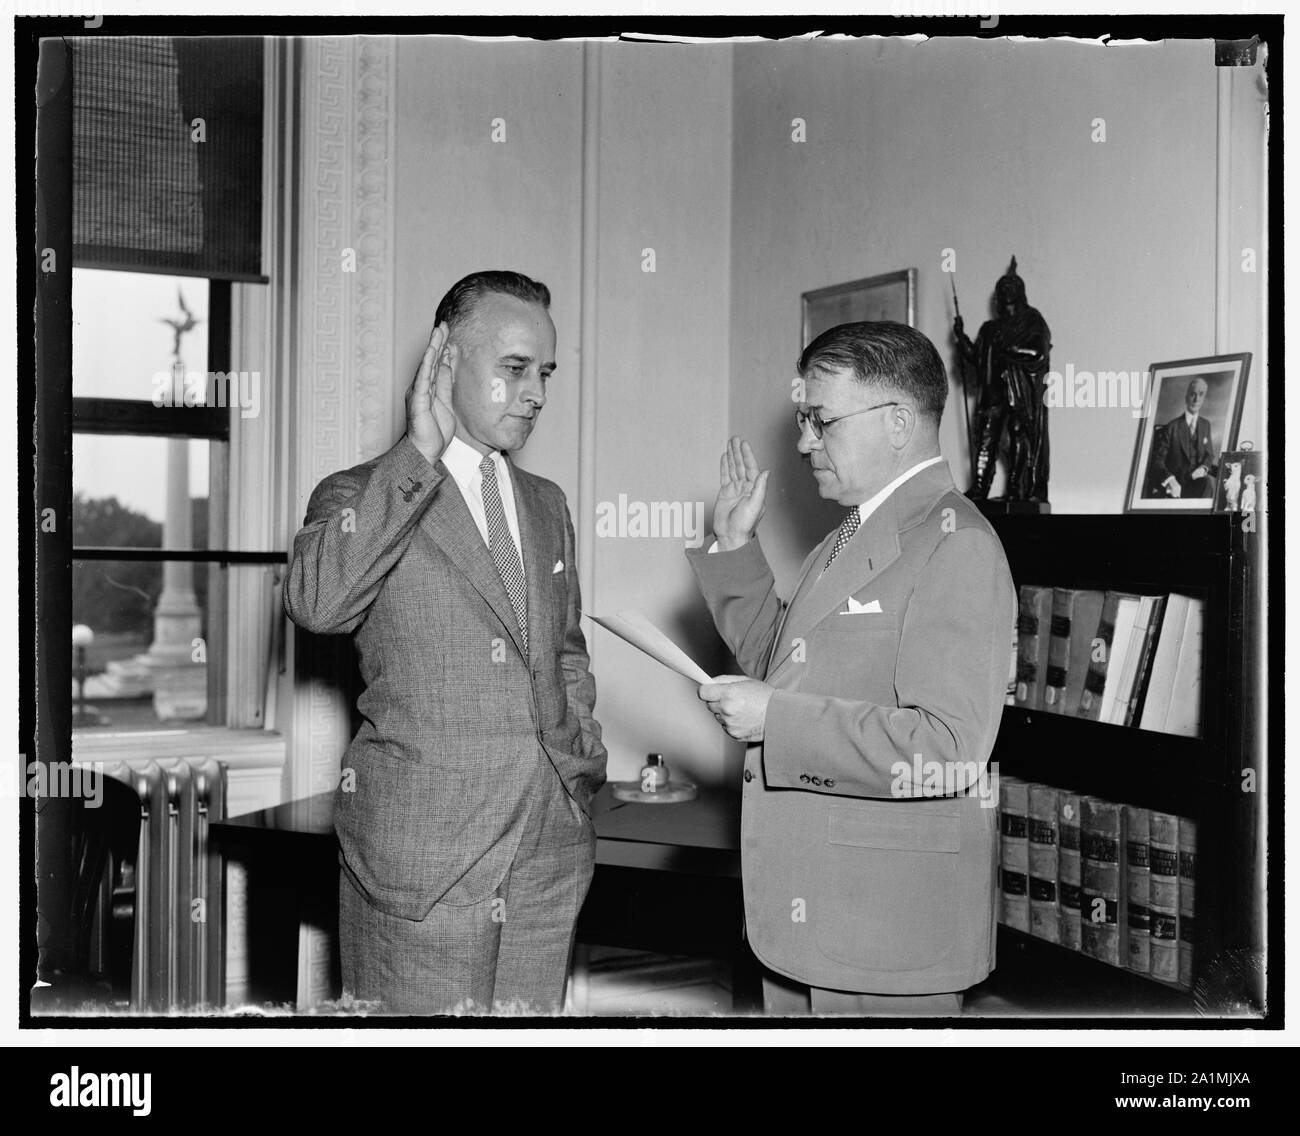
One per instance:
[(343, 381), (347, 243), (342, 390), (373, 310)]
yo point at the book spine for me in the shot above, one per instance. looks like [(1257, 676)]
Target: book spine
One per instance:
[(1015, 853), (1034, 625), (1069, 870), (1138, 697), (1184, 715), (1084, 617), (1104, 897), (1164, 663), (1044, 905), (1138, 876), (1186, 899), (1058, 651), (1094, 685), (1123, 657), (1164, 896), (1126, 676)]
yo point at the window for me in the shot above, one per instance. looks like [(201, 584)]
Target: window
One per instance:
[(152, 400), (166, 204)]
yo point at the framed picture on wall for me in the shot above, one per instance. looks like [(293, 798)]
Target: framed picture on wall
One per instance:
[(1189, 419), (891, 296)]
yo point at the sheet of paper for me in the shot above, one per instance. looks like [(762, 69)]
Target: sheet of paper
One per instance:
[(635, 628)]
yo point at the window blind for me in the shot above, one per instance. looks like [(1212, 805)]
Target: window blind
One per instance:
[(167, 155)]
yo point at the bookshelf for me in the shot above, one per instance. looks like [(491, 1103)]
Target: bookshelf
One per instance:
[(1201, 778)]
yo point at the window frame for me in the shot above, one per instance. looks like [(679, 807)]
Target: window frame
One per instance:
[(141, 418)]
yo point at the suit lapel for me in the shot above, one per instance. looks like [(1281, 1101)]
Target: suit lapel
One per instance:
[(807, 576), (874, 547), (448, 523)]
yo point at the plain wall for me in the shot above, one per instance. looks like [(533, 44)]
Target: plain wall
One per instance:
[(1246, 244), (464, 203), (984, 148), (661, 389)]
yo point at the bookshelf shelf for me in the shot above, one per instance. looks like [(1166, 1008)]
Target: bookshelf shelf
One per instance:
[(1157, 771), (1212, 558), (1046, 980)]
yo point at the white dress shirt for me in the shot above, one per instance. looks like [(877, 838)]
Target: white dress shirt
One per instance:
[(1190, 419), (462, 462)]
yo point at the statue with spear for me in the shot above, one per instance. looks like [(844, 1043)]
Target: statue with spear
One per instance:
[(1010, 358)]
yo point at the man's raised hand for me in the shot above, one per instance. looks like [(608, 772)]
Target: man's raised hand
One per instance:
[(742, 493), (430, 420)]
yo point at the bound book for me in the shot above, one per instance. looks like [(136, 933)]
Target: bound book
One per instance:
[(1182, 622), (1034, 630), (1075, 615), (1102, 669), (1184, 714), (1163, 860), (1044, 906), (1186, 898), (1070, 874), (1070, 627), (1122, 641), (1137, 822), (1014, 796), (1145, 629), (1104, 891)]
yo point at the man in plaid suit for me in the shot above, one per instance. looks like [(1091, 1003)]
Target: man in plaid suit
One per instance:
[(466, 845)]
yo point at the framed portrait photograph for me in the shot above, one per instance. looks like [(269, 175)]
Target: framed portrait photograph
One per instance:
[(1189, 418), (891, 296)]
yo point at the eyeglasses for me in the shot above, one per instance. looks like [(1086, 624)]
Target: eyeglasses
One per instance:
[(815, 420)]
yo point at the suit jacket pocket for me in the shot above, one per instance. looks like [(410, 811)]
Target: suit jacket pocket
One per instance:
[(854, 656), (889, 884)]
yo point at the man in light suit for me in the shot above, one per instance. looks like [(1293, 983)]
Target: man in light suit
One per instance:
[(868, 837), (1184, 459), (466, 846)]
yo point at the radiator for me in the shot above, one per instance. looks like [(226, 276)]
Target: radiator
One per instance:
[(178, 946)]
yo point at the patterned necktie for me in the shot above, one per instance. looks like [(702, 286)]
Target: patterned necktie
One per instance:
[(502, 546), (847, 528)]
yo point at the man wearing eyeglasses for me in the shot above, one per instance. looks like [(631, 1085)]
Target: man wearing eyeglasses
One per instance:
[(868, 835)]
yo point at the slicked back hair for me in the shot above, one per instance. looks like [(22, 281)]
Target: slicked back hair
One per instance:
[(892, 355), (457, 307)]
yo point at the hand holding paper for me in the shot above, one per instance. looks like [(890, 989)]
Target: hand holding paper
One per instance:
[(739, 704)]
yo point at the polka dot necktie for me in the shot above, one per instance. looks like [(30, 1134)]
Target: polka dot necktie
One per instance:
[(847, 528), (502, 546)]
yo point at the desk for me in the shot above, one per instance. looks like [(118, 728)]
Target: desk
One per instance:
[(699, 837), (667, 880), (290, 858)]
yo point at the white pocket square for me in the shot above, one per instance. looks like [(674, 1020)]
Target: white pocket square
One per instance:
[(872, 607), (559, 567)]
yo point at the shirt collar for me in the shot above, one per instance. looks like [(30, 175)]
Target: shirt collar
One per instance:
[(1189, 418), (462, 460), (870, 506)]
